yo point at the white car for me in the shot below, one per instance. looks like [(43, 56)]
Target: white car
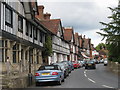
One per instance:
[(105, 62), (101, 61)]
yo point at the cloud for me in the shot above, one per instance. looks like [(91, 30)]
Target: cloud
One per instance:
[(83, 15), (95, 38)]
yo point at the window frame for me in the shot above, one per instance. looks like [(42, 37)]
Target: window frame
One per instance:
[(20, 24), (27, 28), (31, 30), (10, 24)]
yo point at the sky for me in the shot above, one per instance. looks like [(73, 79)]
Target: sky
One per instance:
[(83, 15)]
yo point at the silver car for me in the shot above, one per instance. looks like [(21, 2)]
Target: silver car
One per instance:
[(48, 73)]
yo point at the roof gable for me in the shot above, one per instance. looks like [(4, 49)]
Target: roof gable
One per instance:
[(52, 25), (68, 34)]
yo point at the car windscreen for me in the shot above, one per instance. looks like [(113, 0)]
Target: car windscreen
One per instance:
[(90, 62), (48, 68)]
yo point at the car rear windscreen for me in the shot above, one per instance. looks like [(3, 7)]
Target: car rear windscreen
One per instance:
[(48, 68)]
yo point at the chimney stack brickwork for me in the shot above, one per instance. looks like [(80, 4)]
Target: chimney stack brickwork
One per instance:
[(40, 10), (41, 14), (47, 16)]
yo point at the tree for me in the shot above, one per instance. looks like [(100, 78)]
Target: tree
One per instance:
[(112, 34), (100, 46), (47, 47)]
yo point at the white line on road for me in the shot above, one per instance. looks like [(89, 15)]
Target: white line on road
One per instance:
[(107, 86), (85, 72), (91, 80), (85, 75)]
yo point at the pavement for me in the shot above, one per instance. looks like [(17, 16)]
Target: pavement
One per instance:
[(82, 78)]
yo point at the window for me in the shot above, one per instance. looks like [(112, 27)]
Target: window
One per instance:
[(27, 28), (3, 50), (8, 17), (31, 30), (14, 53), (31, 56), (41, 37), (20, 24), (37, 58), (35, 33)]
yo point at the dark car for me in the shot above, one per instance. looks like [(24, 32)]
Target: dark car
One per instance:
[(90, 65), (64, 68)]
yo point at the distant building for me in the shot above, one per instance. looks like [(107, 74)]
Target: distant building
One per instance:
[(76, 36), (69, 36), (87, 47)]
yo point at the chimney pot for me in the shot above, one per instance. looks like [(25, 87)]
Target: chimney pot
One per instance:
[(47, 16)]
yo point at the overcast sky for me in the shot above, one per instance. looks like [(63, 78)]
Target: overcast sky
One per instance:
[(83, 15)]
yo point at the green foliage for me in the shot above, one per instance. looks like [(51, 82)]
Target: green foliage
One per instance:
[(112, 33), (100, 46), (47, 47)]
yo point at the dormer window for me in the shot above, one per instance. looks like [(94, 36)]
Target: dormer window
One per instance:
[(20, 24), (8, 17)]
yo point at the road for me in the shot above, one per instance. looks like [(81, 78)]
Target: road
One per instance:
[(82, 78)]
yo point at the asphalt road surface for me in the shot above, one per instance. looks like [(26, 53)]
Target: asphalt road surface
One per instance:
[(82, 78)]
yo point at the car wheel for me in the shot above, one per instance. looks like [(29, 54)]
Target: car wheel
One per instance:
[(59, 82), (86, 68), (63, 80), (37, 84)]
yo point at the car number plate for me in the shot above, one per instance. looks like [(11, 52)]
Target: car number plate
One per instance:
[(89, 64), (45, 73)]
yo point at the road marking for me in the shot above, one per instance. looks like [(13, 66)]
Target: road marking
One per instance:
[(107, 86), (84, 72), (88, 78), (85, 75), (91, 80)]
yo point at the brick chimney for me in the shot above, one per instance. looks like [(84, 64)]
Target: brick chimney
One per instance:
[(47, 16), (40, 10), (84, 36)]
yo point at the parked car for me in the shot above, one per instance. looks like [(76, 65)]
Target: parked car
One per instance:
[(90, 65), (105, 62), (71, 65), (101, 61), (68, 65), (81, 63), (76, 64), (47, 73), (96, 61), (64, 68)]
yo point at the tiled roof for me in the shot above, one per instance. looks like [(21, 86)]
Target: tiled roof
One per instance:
[(52, 25), (68, 32)]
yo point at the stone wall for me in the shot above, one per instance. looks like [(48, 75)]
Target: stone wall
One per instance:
[(17, 79), (114, 67)]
